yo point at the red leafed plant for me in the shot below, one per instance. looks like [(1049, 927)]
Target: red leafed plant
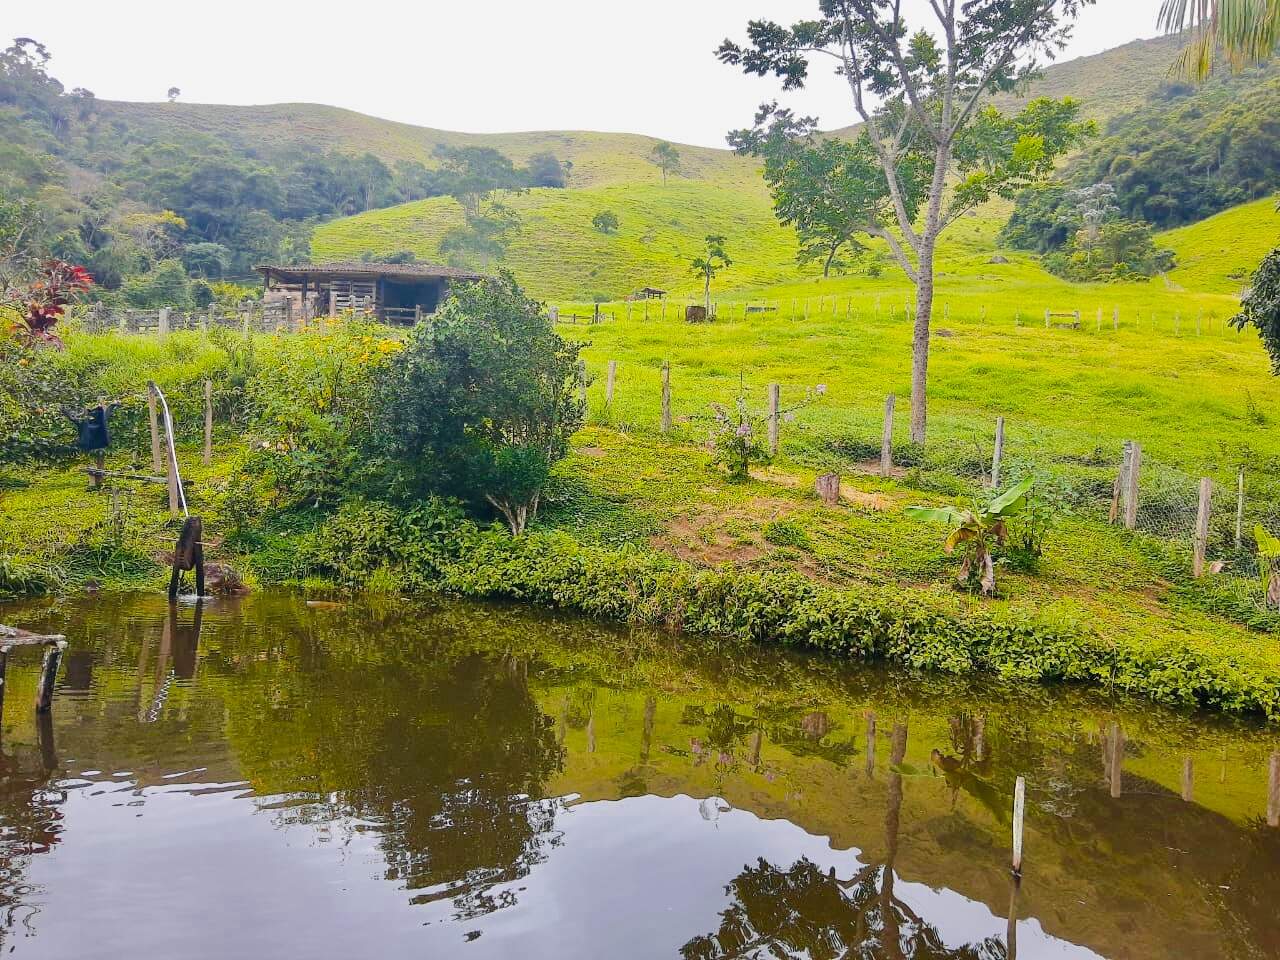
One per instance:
[(48, 297)]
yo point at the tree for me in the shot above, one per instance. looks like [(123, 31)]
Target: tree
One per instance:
[(482, 238), (1260, 307), (710, 262), (931, 124), (546, 170), (473, 175), (480, 403), (830, 189), (606, 221), (21, 241), (666, 158), (173, 94), (1246, 31)]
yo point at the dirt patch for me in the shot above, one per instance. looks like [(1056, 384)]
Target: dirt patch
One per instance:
[(867, 501), (594, 452), (711, 537)]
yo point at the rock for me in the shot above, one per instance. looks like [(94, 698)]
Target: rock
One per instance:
[(222, 578), (998, 259)]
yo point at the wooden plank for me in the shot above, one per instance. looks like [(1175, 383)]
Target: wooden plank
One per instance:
[(775, 393)]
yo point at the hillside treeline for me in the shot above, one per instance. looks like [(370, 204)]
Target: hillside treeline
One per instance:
[(1188, 153), (145, 216)]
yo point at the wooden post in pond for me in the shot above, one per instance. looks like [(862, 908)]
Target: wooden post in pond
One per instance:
[(156, 463), (1273, 791), (1188, 779), (1202, 528), (610, 379), (666, 396), (775, 393), (208, 422), (49, 674), (827, 487), (1019, 814), (997, 454), (886, 438)]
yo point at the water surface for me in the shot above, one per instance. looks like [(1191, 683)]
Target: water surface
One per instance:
[(264, 778)]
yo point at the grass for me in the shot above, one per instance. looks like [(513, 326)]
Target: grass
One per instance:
[(1217, 255)]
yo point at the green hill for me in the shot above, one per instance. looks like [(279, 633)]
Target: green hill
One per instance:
[(1217, 255)]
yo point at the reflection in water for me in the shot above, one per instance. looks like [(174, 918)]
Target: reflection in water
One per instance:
[(482, 782)]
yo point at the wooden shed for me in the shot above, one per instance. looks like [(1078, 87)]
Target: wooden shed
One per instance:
[(392, 292)]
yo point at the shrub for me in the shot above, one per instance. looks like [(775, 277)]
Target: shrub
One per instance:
[(606, 221)]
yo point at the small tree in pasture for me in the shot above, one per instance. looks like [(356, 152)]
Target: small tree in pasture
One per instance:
[(606, 221), (173, 94), (666, 158), (481, 402), (710, 262), (1260, 307), (919, 94)]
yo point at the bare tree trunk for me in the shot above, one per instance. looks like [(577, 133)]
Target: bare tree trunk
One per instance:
[(826, 267), (920, 345), (706, 293)]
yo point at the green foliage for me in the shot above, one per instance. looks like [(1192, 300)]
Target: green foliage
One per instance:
[(33, 389), (166, 285), (979, 531), (787, 533), (314, 405), (734, 441), (480, 403), (1269, 565), (606, 221), (1116, 250), (1260, 307), (709, 263)]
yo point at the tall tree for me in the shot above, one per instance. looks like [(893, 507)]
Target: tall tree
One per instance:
[(710, 262), (666, 158), (1246, 31), (930, 86)]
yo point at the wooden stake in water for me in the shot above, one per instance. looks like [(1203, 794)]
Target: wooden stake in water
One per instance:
[(998, 454), (1019, 813), (610, 379), (886, 438), (1116, 771), (775, 393), (871, 743)]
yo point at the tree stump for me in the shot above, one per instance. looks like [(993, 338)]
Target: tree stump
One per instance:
[(828, 488), (695, 314)]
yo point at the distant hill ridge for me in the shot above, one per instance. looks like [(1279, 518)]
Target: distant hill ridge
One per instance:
[(1108, 83)]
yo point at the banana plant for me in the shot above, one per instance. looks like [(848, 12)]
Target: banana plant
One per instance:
[(1269, 566), (978, 530)]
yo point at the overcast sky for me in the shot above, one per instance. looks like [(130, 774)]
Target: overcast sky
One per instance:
[(501, 65)]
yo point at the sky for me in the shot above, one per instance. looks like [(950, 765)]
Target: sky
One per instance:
[(497, 66)]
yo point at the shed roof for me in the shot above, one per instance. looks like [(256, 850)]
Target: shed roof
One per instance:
[(363, 268)]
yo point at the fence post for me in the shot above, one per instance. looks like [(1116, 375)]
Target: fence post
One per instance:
[(208, 422), (609, 382), (246, 318), (1115, 318), (164, 321), (666, 396), (582, 381), (156, 464), (998, 454), (886, 438), (1239, 508), (1046, 318), (775, 393), (1202, 528), (333, 302), (1188, 779), (1131, 486)]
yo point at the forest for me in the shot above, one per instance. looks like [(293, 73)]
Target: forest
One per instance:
[(162, 222)]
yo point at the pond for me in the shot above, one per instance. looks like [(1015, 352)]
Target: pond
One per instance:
[(268, 778)]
